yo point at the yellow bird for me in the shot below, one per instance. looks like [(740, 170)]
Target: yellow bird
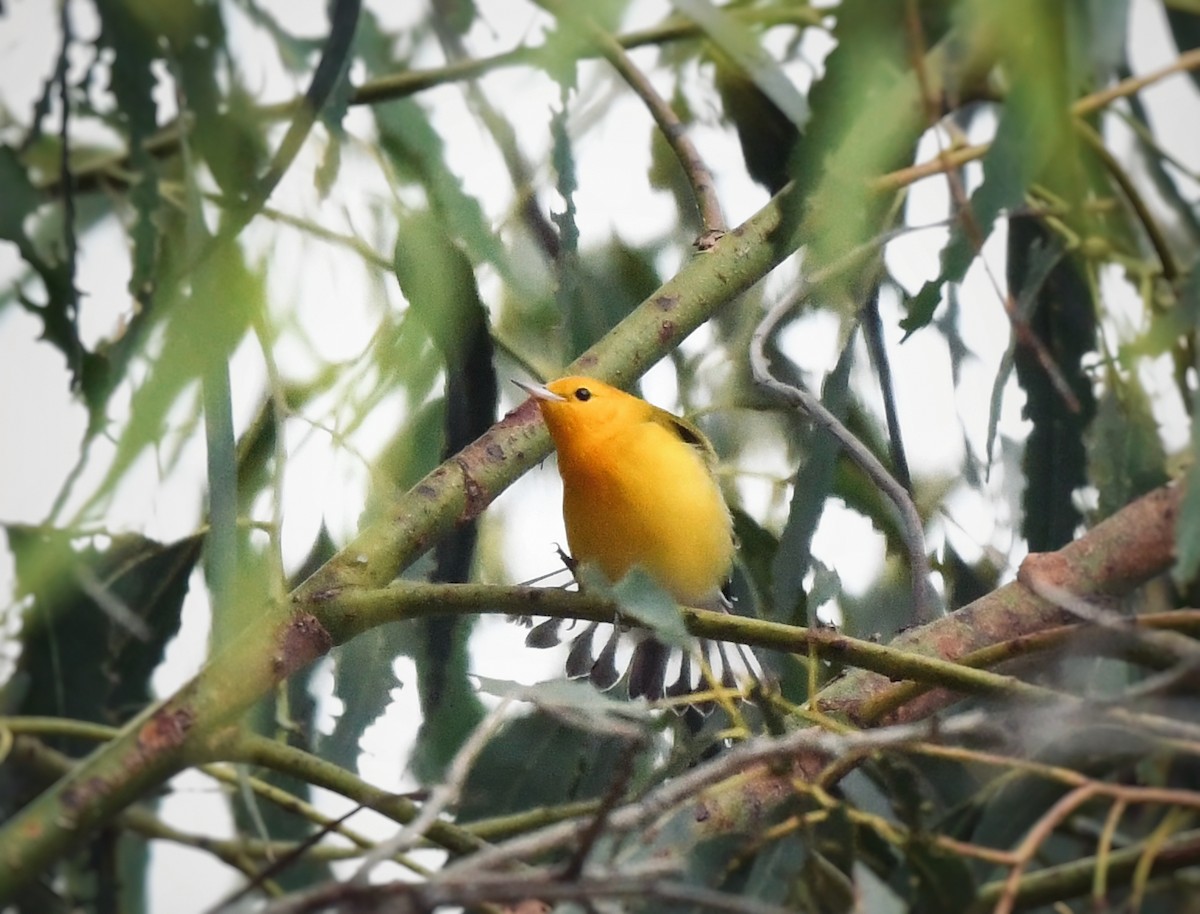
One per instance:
[(639, 490)]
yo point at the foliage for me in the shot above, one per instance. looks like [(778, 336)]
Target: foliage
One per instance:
[(316, 254)]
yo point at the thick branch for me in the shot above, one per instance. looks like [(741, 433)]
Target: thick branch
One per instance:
[(1118, 555)]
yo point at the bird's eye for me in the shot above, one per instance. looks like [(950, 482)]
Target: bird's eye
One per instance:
[(582, 394)]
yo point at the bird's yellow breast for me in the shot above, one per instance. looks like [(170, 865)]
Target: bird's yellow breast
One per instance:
[(635, 493), (666, 516)]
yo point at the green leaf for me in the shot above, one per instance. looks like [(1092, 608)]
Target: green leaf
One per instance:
[(1004, 371), (58, 312), (1108, 36), (938, 880), (576, 702), (874, 894), (20, 198), (823, 887), (921, 307), (280, 821), (562, 157), (747, 51), (1187, 526), (642, 598), (203, 328), (606, 286), (438, 280), (97, 623), (233, 144), (295, 53), (568, 41), (1185, 29), (132, 33), (538, 760), (417, 153), (1064, 325), (1042, 260), (457, 16), (766, 134), (1034, 141), (756, 553), (450, 708), (864, 124), (1125, 453), (363, 676), (776, 870), (1008, 168), (135, 48), (362, 682)]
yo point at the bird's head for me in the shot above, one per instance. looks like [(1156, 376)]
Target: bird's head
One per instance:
[(578, 409)]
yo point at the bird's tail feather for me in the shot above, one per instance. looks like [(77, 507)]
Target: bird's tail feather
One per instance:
[(654, 671)]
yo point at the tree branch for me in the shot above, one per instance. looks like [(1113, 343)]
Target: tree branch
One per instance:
[(1115, 557)]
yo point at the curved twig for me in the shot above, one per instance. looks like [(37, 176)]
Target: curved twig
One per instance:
[(699, 177), (926, 603)]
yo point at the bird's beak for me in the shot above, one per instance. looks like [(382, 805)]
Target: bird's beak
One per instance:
[(538, 392)]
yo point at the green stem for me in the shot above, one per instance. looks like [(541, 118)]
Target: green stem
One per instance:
[(361, 610), (1075, 879), (258, 750)]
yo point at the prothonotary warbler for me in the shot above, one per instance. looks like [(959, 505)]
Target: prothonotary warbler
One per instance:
[(639, 489)]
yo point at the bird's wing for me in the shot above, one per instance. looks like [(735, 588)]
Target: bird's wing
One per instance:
[(688, 434)]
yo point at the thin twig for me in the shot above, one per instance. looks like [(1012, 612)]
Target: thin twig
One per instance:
[(651, 880), (1174, 644), (1181, 646), (440, 799), (927, 604), (734, 762), (698, 175), (1037, 837), (1077, 877), (1097, 100)]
